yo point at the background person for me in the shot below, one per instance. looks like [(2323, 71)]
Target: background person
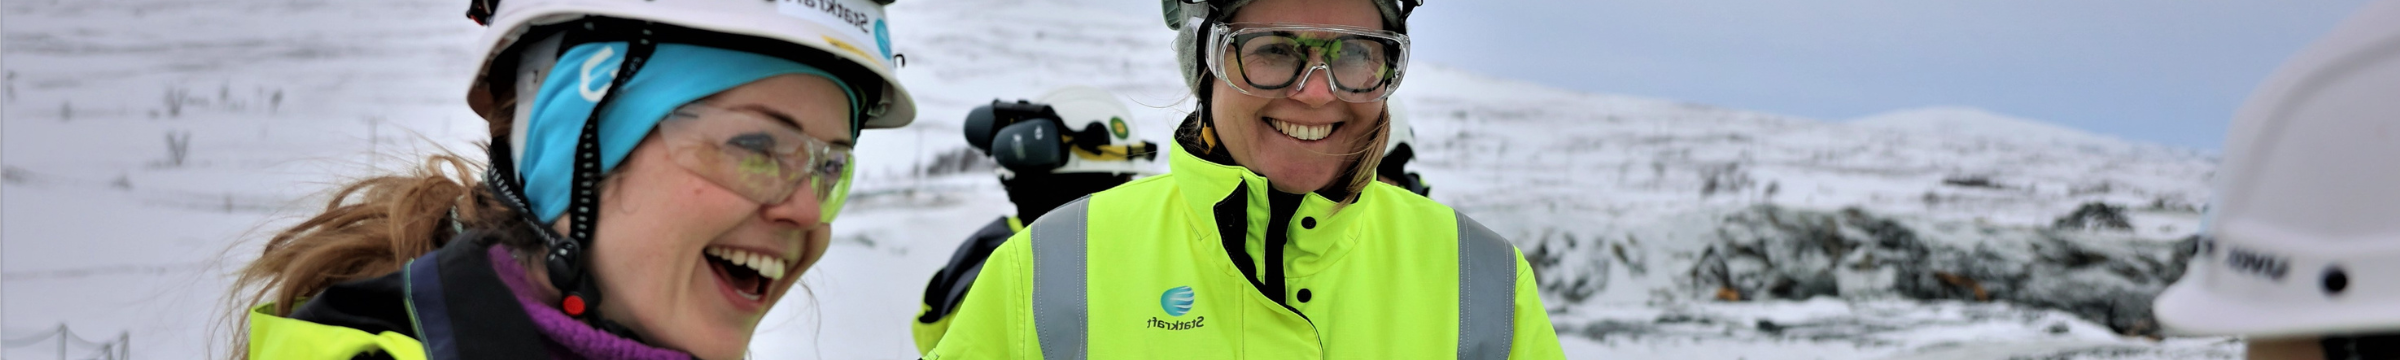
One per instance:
[(1098, 151), (1398, 150)]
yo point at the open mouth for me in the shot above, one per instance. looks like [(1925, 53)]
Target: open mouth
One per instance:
[(748, 274), (1302, 132)]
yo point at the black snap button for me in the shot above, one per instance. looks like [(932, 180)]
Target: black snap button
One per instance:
[(2336, 281), (1308, 223), (1304, 295)]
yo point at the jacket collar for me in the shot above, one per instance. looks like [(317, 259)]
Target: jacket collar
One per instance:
[(1202, 184)]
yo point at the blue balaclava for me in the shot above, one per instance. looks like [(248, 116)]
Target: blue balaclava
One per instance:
[(676, 74)]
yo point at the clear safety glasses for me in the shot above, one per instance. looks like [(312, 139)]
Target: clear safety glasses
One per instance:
[(761, 158), (1275, 61)]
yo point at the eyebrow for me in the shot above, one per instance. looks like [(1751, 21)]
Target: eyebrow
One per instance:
[(787, 119)]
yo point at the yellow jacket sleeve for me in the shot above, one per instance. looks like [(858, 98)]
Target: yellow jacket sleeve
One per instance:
[(278, 338), (993, 322), (927, 334), (1535, 338)]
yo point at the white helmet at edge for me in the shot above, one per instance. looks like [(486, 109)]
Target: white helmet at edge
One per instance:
[(2304, 235)]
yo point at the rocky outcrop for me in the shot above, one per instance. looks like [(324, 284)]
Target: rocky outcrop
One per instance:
[(1769, 252)]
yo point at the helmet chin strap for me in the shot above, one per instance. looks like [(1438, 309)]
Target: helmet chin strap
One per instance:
[(571, 256), (566, 259)]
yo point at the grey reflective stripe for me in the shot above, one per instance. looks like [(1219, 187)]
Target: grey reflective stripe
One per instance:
[(1058, 310), (1487, 291)]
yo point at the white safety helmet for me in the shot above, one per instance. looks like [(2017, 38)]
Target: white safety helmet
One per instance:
[(834, 33), (1084, 109), (2304, 235)]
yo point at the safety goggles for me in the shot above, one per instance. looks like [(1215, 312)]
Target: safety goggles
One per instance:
[(760, 158), (1275, 60)]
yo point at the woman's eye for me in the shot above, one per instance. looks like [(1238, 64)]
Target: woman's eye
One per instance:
[(754, 142), (1359, 53), (1276, 50)]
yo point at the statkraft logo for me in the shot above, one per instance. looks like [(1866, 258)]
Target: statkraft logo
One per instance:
[(1176, 301), (883, 39)]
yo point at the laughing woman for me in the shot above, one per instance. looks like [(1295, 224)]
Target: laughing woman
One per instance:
[(661, 173)]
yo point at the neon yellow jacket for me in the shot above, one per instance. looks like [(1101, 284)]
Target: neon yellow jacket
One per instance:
[(1154, 278), (275, 337)]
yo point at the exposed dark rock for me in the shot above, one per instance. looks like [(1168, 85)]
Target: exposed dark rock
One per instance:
[(2095, 216), (1768, 252)]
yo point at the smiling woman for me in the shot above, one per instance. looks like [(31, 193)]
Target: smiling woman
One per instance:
[(718, 156), (1291, 126)]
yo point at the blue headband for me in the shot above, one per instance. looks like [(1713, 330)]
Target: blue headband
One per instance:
[(676, 74)]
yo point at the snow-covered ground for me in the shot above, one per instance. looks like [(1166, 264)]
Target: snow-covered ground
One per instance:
[(1664, 229)]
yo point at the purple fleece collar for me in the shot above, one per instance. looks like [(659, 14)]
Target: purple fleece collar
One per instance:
[(569, 339)]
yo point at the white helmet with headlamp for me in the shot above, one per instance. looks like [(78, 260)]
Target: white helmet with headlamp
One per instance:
[(1074, 129)]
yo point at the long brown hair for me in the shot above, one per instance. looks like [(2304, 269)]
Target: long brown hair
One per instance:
[(372, 227)]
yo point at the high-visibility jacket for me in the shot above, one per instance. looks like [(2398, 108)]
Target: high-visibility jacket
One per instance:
[(447, 304), (1207, 262), (276, 337)]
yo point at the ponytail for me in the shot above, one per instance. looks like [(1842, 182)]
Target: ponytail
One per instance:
[(370, 228)]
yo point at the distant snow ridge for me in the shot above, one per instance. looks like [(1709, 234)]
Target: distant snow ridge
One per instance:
[(1967, 121), (1627, 206)]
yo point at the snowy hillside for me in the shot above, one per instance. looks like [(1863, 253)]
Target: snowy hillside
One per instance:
[(149, 142), (1648, 218)]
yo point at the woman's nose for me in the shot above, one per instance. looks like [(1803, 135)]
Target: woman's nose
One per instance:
[(802, 208), (1317, 89)]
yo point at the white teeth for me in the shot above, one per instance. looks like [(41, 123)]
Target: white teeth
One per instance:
[(1302, 132), (767, 266)]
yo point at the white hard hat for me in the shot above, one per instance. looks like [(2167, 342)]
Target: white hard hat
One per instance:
[(2304, 235), (1083, 109), (837, 34)]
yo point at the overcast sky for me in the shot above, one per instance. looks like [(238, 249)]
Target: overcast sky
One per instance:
[(2166, 71)]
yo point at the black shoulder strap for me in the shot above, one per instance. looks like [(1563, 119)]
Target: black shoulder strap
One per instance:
[(949, 286), (463, 311)]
